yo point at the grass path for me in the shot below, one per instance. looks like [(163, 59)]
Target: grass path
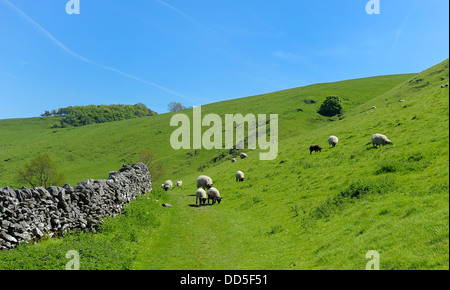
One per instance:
[(207, 238), (188, 238)]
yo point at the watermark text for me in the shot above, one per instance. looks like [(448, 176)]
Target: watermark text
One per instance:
[(232, 137)]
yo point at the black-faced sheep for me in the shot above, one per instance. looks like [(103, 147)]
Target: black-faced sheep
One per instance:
[(243, 155), (233, 160), (240, 176), (167, 185), (315, 148), (201, 197), (380, 140), (214, 195), (333, 140), (204, 181)]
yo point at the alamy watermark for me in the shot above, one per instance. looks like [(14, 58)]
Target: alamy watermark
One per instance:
[(74, 263), (73, 7), (373, 7), (213, 138), (374, 263)]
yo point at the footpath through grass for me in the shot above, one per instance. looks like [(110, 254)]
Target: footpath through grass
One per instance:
[(192, 237)]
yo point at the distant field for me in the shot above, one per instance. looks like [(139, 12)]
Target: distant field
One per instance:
[(300, 211)]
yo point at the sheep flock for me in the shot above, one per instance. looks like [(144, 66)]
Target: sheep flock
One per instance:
[(206, 193)]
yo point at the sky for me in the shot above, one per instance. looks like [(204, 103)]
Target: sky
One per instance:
[(203, 51)]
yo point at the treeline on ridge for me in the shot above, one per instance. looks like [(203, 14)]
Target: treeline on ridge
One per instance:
[(85, 115)]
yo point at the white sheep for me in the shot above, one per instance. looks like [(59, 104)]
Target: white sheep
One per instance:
[(243, 155), (204, 181), (179, 183), (333, 140), (239, 176), (380, 140), (233, 160), (214, 195), (167, 185), (200, 197)]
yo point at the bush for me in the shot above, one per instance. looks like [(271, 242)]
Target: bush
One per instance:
[(387, 168), (331, 107), (41, 171)]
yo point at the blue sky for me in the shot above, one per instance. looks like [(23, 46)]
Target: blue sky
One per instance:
[(203, 51)]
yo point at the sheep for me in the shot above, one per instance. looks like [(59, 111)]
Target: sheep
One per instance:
[(200, 197), (239, 176), (333, 140), (214, 195), (374, 107), (233, 160), (380, 140), (315, 148), (446, 85), (179, 183), (243, 155), (167, 185), (204, 181)]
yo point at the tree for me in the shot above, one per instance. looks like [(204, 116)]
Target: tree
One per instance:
[(41, 171), (176, 107), (331, 107), (153, 163)]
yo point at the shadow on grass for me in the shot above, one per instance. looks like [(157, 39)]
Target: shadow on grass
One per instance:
[(194, 205)]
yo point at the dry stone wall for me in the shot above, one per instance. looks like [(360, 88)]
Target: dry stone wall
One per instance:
[(28, 214)]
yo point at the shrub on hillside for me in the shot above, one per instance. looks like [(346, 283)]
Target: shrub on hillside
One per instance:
[(41, 171), (331, 107)]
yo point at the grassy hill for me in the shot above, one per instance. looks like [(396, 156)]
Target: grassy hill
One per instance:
[(300, 211)]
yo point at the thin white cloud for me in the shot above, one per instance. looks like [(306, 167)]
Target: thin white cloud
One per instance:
[(87, 60), (289, 56), (405, 21), (188, 17), (402, 28)]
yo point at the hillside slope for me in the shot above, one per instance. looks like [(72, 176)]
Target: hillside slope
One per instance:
[(300, 211), (327, 210), (92, 151)]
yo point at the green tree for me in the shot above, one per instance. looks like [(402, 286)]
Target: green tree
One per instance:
[(331, 107), (41, 171)]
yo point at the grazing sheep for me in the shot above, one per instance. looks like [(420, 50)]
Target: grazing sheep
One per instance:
[(333, 140), (204, 181), (233, 160), (442, 86), (214, 195), (200, 197), (179, 183), (315, 148), (239, 176), (167, 185), (380, 140), (374, 107), (243, 155), (446, 85)]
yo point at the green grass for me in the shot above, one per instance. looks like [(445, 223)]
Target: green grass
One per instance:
[(300, 211)]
